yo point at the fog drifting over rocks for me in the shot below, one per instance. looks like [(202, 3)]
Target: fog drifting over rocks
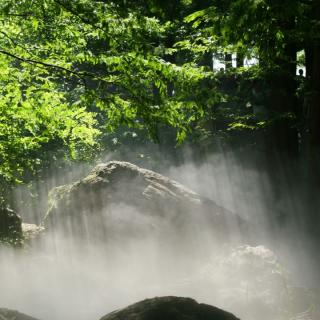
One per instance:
[(63, 276)]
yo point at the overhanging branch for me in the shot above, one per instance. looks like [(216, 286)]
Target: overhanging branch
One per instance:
[(81, 75)]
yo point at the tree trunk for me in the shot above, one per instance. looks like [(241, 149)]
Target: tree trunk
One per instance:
[(240, 58), (313, 103), (283, 137), (228, 60)]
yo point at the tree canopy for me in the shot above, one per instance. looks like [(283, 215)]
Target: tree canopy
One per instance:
[(75, 71)]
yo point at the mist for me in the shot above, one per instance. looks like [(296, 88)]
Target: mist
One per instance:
[(64, 276)]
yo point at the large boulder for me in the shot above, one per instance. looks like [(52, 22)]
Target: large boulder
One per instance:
[(10, 226), (7, 314), (85, 206), (169, 308)]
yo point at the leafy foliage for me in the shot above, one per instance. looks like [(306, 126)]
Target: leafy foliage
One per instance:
[(38, 123), (72, 71)]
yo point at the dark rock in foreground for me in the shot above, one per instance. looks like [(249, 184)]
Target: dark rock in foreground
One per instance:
[(82, 207), (10, 226), (169, 308), (6, 314)]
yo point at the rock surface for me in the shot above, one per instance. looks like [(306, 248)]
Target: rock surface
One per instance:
[(31, 231), (81, 207), (10, 226), (6, 314), (169, 308)]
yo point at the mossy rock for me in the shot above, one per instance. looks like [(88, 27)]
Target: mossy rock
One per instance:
[(10, 227)]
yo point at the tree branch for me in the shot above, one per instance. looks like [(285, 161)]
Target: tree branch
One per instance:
[(70, 9), (19, 15), (81, 75), (45, 64), (14, 41)]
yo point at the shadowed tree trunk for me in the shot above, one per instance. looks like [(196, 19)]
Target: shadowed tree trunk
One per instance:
[(283, 103), (240, 58), (313, 103), (228, 60)]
